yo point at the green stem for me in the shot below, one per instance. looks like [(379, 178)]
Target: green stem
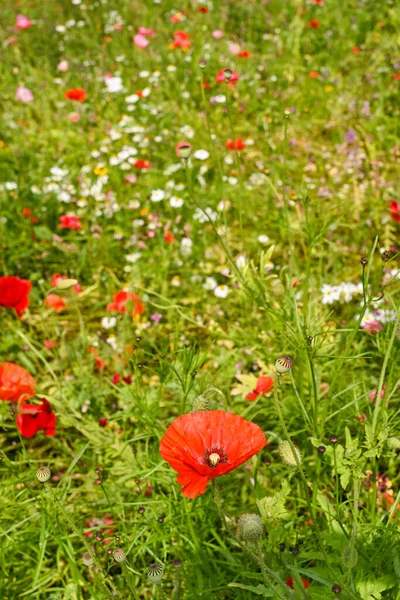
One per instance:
[(128, 578)]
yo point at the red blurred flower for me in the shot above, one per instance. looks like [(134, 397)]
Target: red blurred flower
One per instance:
[(57, 277), (116, 378), (394, 210), (203, 9), (221, 76), (70, 222), (56, 302), (36, 417), (103, 421), (264, 384), (203, 445), (142, 164), (356, 50), (372, 327), (77, 94), (289, 582), (22, 22), (313, 24), (318, 1), (169, 237), (181, 40), (237, 144), (26, 212), (243, 54), (14, 293), (313, 74), (106, 525), (16, 384), (396, 76), (120, 300)]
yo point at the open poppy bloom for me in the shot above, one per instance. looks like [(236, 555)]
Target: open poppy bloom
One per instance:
[(263, 386), (237, 144), (16, 384), (56, 302), (221, 76), (181, 40), (120, 300), (70, 222), (290, 583), (394, 210), (77, 94), (14, 293), (36, 417), (203, 445)]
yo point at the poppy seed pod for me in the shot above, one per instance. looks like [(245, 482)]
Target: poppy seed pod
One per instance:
[(250, 527), (43, 474), (183, 150), (287, 455), (283, 364), (228, 74), (119, 555), (202, 64), (155, 572), (88, 559)]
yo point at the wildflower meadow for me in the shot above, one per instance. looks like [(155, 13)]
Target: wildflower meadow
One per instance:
[(200, 299)]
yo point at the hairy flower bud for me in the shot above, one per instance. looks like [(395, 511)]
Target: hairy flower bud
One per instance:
[(65, 284), (119, 555), (250, 527), (88, 559), (200, 403), (43, 474), (155, 572), (283, 364), (287, 455)]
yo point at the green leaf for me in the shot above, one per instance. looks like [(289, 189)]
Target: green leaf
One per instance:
[(273, 507), (260, 590), (371, 588), (43, 232), (345, 478)]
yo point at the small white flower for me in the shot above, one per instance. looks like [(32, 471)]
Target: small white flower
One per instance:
[(263, 239), (221, 291), (108, 322), (210, 284), (186, 246), (132, 99), (132, 258), (157, 195), (113, 84), (204, 215), (330, 294), (11, 185), (176, 202), (171, 68), (241, 262), (187, 131), (219, 99), (201, 154)]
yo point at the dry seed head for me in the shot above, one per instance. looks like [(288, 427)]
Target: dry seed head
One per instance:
[(287, 455), (119, 555), (283, 364), (250, 527), (43, 474), (88, 559), (155, 572)]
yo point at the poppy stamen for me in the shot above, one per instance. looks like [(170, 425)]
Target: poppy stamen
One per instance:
[(214, 456)]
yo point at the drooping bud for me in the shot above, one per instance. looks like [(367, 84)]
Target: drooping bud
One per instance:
[(349, 556), (88, 559), (283, 364), (119, 555), (43, 474), (155, 572), (250, 527), (65, 284), (200, 403), (286, 454)]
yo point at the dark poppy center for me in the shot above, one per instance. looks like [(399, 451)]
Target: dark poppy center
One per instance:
[(214, 456)]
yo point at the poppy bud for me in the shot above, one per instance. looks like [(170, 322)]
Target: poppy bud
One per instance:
[(43, 474), (88, 559), (287, 455), (119, 555), (200, 403), (334, 439), (65, 284), (349, 556), (155, 572), (364, 261), (283, 364), (250, 527), (228, 74), (336, 589)]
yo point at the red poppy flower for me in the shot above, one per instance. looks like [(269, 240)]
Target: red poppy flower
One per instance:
[(14, 293), (77, 94), (26, 212), (394, 210), (289, 582), (313, 74), (396, 76), (203, 445), (169, 237), (56, 302), (203, 9), (237, 144), (181, 40), (243, 54), (15, 383), (70, 222), (36, 417), (314, 24), (142, 164), (120, 300), (221, 76), (264, 385), (356, 50)]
